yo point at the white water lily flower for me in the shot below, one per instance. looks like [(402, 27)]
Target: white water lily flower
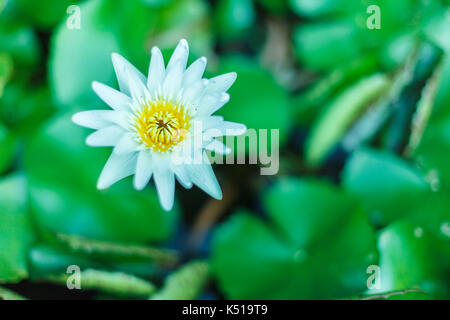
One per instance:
[(161, 124)]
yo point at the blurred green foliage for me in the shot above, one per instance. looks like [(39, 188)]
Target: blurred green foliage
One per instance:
[(299, 256), (364, 126)]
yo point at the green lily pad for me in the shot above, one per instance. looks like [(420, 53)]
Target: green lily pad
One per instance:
[(16, 234), (80, 56), (435, 28), (411, 257), (433, 152), (45, 13), (264, 260), (321, 46), (8, 144), (234, 17), (24, 108), (20, 42), (274, 6), (385, 184), (315, 8), (6, 68), (307, 250)]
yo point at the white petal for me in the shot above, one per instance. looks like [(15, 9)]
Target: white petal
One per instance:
[(156, 71), (223, 128), (180, 54), (144, 170), (105, 137), (122, 118), (182, 176), (211, 122), (221, 83), (138, 89), (194, 72), (121, 66), (212, 102), (173, 80), (229, 128), (218, 147), (203, 176), (165, 185), (116, 168), (94, 119), (126, 144), (115, 99), (193, 93)]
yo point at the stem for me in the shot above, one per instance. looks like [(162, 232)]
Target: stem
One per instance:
[(161, 256), (6, 294), (112, 282), (185, 283), (387, 295), (210, 213)]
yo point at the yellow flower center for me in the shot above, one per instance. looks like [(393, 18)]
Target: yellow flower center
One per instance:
[(162, 124)]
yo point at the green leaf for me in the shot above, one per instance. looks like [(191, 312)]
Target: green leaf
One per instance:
[(80, 56), (156, 3), (234, 17), (16, 233), (391, 189), (250, 261), (312, 233), (314, 8), (6, 68), (411, 257), (274, 6), (8, 144), (385, 184), (414, 103), (23, 108), (340, 114), (396, 50), (256, 99), (286, 205), (20, 42), (435, 29), (423, 110), (64, 198), (434, 151), (323, 46), (45, 13), (342, 34), (311, 102)]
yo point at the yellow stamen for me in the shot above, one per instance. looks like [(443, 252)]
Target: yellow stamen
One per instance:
[(162, 124)]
